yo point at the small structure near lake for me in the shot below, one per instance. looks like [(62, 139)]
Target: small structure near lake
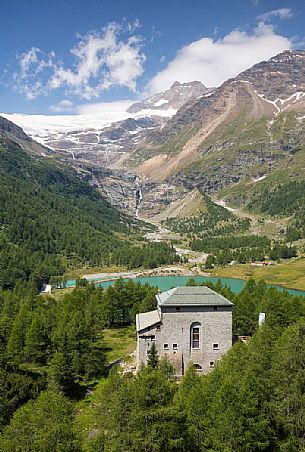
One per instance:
[(190, 324)]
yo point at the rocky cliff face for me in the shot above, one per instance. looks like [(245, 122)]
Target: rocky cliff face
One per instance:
[(282, 78), (126, 190)]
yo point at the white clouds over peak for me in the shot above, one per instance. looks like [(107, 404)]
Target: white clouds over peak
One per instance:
[(114, 57), (214, 61), (102, 60)]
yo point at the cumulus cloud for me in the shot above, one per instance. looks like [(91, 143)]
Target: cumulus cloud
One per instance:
[(103, 60), (64, 106), (213, 61), (110, 58)]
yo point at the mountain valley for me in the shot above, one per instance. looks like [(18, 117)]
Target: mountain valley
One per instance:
[(247, 133), (229, 144)]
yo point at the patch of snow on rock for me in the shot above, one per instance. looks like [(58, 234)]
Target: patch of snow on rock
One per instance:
[(161, 102)]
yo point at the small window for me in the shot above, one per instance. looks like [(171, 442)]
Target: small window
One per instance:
[(175, 346), (165, 346), (177, 308), (153, 337), (215, 308), (215, 346), (195, 337), (158, 328), (212, 364)]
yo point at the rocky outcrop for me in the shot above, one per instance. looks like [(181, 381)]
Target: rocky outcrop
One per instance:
[(278, 78), (13, 130), (173, 98)]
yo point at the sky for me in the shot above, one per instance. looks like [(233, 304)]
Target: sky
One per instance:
[(90, 56)]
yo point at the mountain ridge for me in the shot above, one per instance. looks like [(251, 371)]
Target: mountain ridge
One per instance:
[(210, 118)]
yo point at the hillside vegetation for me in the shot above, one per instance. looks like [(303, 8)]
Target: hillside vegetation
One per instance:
[(209, 219), (252, 400), (287, 199), (51, 220)]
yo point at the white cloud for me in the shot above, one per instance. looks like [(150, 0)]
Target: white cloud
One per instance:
[(113, 57), (64, 106), (103, 107), (214, 61), (281, 13), (31, 64), (28, 59), (103, 61)]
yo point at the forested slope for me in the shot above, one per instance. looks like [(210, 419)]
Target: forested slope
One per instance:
[(47, 212), (50, 219), (285, 199), (252, 401)]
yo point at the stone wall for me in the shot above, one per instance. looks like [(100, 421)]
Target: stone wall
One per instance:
[(173, 336)]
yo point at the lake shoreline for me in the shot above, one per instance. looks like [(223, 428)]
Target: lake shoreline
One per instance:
[(165, 282)]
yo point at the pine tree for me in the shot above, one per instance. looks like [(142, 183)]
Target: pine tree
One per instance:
[(37, 341), (16, 343), (152, 357), (41, 425)]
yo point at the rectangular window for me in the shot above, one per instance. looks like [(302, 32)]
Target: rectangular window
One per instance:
[(158, 328), (212, 364), (153, 337), (177, 308), (165, 346), (175, 346), (215, 347), (215, 308), (195, 337)]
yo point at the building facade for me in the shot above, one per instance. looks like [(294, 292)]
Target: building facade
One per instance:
[(190, 324)]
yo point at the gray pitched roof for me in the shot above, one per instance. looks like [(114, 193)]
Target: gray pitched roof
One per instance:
[(192, 296), (146, 319)]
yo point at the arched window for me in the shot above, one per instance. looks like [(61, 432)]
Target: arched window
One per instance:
[(195, 335), (197, 367)]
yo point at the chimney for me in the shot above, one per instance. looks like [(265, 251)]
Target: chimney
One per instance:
[(261, 318)]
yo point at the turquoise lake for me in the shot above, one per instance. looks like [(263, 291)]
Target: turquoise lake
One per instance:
[(167, 282)]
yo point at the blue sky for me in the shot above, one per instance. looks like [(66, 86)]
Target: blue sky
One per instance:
[(72, 56)]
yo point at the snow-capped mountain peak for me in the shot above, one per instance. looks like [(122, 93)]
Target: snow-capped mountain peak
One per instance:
[(174, 98)]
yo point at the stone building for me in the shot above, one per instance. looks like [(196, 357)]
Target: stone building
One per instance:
[(190, 324)]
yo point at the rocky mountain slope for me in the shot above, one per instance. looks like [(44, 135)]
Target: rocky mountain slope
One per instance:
[(108, 137), (245, 128)]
